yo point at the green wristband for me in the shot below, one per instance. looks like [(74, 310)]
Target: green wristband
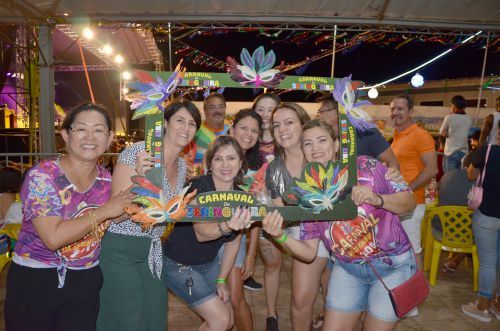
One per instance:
[(221, 281), (281, 240)]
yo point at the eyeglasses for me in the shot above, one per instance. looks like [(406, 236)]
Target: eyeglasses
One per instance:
[(81, 132), (325, 110)]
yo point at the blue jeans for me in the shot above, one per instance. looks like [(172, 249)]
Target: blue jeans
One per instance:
[(487, 236), (453, 161), (354, 287)]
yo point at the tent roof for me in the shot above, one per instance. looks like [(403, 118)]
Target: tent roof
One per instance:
[(439, 14)]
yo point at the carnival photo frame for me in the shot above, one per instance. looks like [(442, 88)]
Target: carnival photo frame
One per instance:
[(321, 193)]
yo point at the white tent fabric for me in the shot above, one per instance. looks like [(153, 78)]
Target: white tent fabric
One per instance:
[(440, 14)]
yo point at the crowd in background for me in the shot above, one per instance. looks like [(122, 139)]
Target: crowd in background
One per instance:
[(81, 263)]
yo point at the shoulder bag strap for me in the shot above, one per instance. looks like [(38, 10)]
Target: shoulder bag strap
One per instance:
[(378, 275), (483, 174)]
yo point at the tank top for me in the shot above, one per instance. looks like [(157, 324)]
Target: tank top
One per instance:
[(493, 137)]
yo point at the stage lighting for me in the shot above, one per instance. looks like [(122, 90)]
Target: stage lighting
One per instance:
[(87, 33), (126, 75), (119, 59), (107, 49)]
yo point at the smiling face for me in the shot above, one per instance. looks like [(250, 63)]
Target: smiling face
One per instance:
[(88, 136), (246, 132), (225, 165), (287, 128), (215, 111), (400, 113), (318, 145), (180, 129), (264, 108)]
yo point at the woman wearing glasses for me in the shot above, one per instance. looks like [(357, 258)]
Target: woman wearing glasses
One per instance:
[(54, 280)]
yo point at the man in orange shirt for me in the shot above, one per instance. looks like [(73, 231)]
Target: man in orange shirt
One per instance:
[(415, 150)]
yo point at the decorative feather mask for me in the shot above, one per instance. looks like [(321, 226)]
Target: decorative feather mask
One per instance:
[(155, 209), (257, 69), (346, 97), (319, 187), (151, 93)]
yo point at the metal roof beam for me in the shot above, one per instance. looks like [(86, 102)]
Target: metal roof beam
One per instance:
[(300, 20)]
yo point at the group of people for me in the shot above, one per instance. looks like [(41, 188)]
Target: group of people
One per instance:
[(112, 275)]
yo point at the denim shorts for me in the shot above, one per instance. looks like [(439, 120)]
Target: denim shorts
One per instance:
[(203, 275), (242, 253), (354, 287)]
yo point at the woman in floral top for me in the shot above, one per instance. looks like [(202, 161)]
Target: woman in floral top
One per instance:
[(54, 280), (375, 235)]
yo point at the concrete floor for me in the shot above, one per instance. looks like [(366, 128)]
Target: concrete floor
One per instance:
[(440, 312)]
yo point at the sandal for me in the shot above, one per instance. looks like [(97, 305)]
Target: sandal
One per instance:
[(447, 267), (317, 323)]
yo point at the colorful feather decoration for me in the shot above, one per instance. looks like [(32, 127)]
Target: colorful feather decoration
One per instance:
[(150, 206), (319, 187), (151, 92), (256, 69), (346, 97)]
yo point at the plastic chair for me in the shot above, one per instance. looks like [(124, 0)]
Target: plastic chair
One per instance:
[(457, 237), (12, 231), (427, 236)]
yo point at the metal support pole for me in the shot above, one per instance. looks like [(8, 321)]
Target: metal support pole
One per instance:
[(169, 47), (333, 49), (482, 79), (47, 90)]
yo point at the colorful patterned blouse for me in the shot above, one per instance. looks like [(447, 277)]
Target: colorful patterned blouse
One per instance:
[(47, 192), (374, 232)]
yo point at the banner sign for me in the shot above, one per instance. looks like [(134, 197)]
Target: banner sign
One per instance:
[(213, 79)]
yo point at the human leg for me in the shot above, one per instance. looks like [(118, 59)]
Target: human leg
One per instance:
[(305, 285), (202, 291), (215, 313), (272, 258), (39, 311), (79, 300), (486, 235), (373, 324), (412, 224), (340, 320), (242, 312), (123, 301)]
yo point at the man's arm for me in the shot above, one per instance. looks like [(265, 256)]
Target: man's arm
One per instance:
[(389, 158), (430, 170), (443, 130), (485, 131)]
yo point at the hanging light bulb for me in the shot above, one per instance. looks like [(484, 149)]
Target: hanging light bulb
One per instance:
[(372, 93), (417, 80)]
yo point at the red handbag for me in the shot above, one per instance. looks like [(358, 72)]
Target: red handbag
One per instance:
[(408, 295)]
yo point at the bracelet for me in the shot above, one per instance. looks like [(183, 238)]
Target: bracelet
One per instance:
[(94, 230), (381, 201), (222, 232), (221, 281), (281, 240)]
